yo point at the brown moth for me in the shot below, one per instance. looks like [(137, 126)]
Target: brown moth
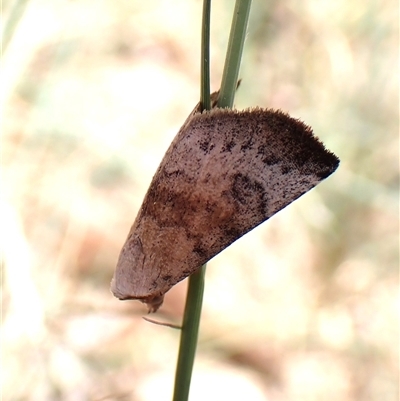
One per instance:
[(226, 172)]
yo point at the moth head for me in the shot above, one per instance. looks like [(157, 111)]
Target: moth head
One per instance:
[(153, 303)]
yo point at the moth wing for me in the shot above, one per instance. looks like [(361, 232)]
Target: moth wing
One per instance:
[(225, 173)]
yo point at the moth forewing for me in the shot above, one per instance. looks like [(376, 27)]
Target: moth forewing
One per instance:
[(225, 172)]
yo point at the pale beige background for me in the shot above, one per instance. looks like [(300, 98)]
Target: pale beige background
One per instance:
[(303, 308)]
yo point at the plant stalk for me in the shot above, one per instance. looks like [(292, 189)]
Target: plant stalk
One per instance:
[(192, 314), (234, 53)]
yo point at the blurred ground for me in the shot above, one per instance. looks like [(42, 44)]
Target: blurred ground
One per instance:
[(303, 308)]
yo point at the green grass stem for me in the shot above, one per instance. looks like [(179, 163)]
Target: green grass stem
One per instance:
[(205, 101), (234, 53), (194, 300), (189, 334), (192, 314)]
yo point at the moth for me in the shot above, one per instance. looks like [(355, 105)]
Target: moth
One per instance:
[(225, 172)]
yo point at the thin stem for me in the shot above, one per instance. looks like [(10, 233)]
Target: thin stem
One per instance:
[(194, 300), (189, 334), (234, 53), (191, 318), (205, 102)]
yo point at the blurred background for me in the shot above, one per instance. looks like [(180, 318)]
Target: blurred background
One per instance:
[(303, 308)]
